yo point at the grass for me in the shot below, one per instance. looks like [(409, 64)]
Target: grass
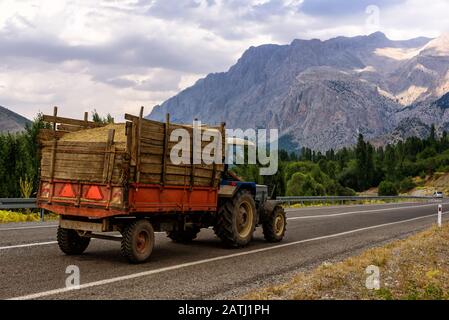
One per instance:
[(12, 216), (416, 268)]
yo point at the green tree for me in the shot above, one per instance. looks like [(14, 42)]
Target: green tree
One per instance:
[(98, 119), (362, 164), (387, 188), (304, 185)]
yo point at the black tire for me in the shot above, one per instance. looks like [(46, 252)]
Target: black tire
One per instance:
[(236, 220), (275, 225), (138, 241), (183, 236), (70, 242)]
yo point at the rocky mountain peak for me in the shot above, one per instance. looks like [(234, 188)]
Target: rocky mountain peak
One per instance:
[(438, 46), (11, 121), (323, 93)]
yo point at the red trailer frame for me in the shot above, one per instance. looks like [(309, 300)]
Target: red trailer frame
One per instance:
[(97, 201)]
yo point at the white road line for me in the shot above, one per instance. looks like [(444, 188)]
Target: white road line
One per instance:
[(346, 206), (355, 212), (199, 262), (25, 228), (28, 245)]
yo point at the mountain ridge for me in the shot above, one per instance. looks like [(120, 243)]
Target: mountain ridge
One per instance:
[(323, 93), (11, 122)]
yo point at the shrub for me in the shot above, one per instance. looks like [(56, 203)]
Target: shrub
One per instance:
[(304, 185), (345, 192), (406, 185), (387, 188)]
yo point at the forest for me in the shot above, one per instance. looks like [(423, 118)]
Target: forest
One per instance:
[(350, 170)]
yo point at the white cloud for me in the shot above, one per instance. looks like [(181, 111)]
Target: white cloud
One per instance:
[(117, 55)]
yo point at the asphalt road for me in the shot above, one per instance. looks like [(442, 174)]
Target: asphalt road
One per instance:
[(32, 267)]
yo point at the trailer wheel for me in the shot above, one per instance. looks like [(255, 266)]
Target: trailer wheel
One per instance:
[(183, 236), (275, 225), (70, 242), (236, 220), (138, 241)]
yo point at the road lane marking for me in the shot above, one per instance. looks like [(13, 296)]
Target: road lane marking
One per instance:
[(25, 228), (355, 212), (28, 245), (36, 244), (199, 262), (291, 218), (347, 206)]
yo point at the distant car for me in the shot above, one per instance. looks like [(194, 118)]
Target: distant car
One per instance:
[(438, 194)]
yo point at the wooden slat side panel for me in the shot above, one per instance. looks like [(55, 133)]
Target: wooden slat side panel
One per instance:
[(81, 166), (152, 156), (46, 135), (86, 124), (69, 128), (81, 159)]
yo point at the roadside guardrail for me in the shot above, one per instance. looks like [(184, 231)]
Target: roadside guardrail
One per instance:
[(290, 200), (20, 203)]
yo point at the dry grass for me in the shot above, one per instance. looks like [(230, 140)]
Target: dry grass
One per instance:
[(414, 268), (97, 134)]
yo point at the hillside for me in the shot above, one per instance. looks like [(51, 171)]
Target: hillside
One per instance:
[(426, 187), (322, 94), (11, 121)]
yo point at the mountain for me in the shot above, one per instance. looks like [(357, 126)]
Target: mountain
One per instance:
[(11, 121), (322, 94)]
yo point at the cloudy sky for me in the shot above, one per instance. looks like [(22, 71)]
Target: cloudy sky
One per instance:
[(116, 55)]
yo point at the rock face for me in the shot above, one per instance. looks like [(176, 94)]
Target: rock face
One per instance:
[(323, 93), (11, 121)]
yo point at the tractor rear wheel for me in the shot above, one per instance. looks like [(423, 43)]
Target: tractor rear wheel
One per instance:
[(70, 242), (183, 236), (138, 241), (236, 220), (275, 225)]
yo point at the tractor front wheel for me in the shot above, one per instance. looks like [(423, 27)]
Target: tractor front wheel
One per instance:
[(275, 225)]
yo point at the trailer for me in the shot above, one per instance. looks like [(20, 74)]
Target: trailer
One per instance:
[(103, 178)]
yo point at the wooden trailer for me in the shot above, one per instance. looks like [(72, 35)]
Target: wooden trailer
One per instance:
[(121, 169), (122, 177)]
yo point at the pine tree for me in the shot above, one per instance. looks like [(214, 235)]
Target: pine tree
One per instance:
[(361, 160)]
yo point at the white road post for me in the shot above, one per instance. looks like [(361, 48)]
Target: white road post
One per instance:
[(440, 213)]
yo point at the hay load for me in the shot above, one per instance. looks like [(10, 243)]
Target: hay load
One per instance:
[(97, 134), (84, 155)]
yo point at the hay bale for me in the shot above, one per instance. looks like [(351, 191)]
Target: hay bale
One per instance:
[(98, 134)]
